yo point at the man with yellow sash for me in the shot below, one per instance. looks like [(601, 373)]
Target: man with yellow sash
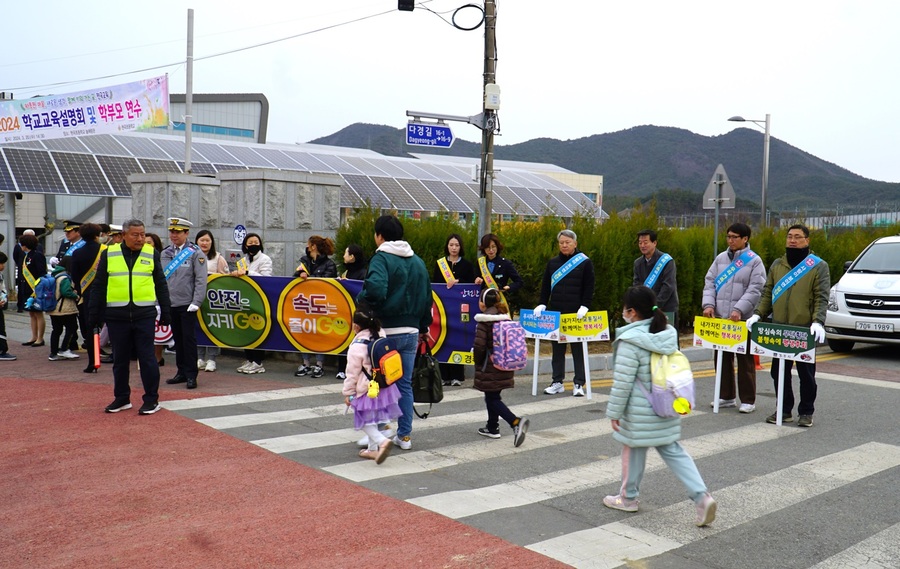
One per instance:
[(85, 261), (129, 284), (796, 293)]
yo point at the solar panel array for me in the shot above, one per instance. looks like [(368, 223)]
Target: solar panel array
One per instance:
[(100, 165)]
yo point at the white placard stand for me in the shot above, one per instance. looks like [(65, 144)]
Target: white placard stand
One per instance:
[(537, 355), (779, 399), (718, 389)]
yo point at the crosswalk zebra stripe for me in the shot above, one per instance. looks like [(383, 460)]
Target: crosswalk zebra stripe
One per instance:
[(463, 503), (880, 551), (651, 533), (292, 443), (251, 419), (252, 397), (858, 380)]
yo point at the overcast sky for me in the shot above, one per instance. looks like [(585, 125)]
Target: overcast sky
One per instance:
[(826, 71)]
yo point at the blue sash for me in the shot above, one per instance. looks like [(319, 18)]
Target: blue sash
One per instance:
[(733, 268), (568, 266), (74, 247), (795, 275), (657, 270), (176, 262)]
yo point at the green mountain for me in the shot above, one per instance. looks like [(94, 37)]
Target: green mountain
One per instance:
[(638, 162)]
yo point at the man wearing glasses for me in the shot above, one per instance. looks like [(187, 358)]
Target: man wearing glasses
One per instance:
[(796, 293), (732, 290)]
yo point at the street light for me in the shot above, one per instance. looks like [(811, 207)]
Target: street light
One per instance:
[(765, 176)]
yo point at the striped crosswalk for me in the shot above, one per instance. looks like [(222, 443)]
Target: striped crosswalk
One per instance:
[(569, 461)]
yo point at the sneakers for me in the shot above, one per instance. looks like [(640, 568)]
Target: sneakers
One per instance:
[(317, 372), (619, 502), (578, 391), (118, 405), (404, 442), (200, 363), (302, 371), (519, 432), (747, 408), (724, 403), (341, 376), (243, 367), (455, 382), (555, 388), (55, 357), (210, 366), (786, 418), (6, 356), (805, 421), (148, 408), (706, 511), (69, 355), (484, 432), (254, 368), (446, 382)]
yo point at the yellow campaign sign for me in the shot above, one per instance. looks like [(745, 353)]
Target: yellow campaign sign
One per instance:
[(721, 334), (594, 327)]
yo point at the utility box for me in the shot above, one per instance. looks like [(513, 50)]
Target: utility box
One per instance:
[(492, 97)]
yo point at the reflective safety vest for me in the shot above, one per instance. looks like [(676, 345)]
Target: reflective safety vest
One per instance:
[(135, 285)]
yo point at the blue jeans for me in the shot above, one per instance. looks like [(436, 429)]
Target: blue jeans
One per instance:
[(406, 345)]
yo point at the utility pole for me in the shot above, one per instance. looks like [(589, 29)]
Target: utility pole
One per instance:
[(189, 94), (486, 179)]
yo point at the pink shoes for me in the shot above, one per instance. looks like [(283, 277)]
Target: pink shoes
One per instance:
[(619, 502), (379, 455), (706, 510)]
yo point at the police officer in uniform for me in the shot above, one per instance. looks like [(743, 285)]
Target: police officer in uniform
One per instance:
[(128, 285), (72, 236), (185, 268)]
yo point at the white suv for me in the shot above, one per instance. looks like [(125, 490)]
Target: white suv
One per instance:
[(864, 306)]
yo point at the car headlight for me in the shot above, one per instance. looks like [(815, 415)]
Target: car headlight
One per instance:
[(832, 300)]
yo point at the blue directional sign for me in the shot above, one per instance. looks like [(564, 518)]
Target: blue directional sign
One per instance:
[(423, 134)]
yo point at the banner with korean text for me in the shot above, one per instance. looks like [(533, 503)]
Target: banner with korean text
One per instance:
[(784, 342), (107, 110), (315, 315), (720, 334)]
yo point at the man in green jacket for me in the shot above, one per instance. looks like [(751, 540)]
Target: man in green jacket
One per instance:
[(796, 293)]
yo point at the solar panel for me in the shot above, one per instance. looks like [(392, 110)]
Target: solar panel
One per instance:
[(508, 178), (552, 203), (422, 195), (447, 196), (336, 164), (6, 181), (414, 171), (35, 144), (459, 174), (103, 144), (214, 153), (34, 171), (568, 199), (278, 158), (247, 156), (310, 162), (117, 169), (499, 205), (549, 182), (516, 203), (367, 190), (436, 172), (364, 166), (388, 167), (534, 202), (198, 167), (70, 144), (349, 197), (221, 167), (399, 197), (81, 174), (141, 147), (159, 165), (173, 148), (466, 193)]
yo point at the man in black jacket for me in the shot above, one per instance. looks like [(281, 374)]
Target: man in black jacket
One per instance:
[(129, 284), (567, 287), (656, 270)]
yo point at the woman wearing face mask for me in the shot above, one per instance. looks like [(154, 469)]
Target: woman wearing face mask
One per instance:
[(258, 264), (634, 422)]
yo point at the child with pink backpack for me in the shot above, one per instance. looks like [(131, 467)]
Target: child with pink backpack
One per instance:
[(488, 378)]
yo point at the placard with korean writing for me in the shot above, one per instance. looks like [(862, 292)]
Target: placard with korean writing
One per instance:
[(543, 327), (106, 110), (721, 334), (594, 327), (783, 342)]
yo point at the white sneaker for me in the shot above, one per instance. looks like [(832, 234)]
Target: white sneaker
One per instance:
[(555, 388), (200, 363), (578, 391), (747, 408), (403, 443), (243, 367), (69, 355), (210, 365), (255, 368), (341, 376), (724, 403)]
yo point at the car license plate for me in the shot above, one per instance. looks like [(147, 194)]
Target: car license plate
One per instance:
[(875, 327)]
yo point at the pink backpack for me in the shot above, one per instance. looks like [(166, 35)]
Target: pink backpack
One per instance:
[(509, 351)]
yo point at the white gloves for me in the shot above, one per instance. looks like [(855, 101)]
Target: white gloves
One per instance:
[(818, 331), (581, 312), (54, 261), (539, 309), (193, 308), (751, 321)]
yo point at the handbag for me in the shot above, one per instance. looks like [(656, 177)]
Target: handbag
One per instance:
[(426, 379)]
